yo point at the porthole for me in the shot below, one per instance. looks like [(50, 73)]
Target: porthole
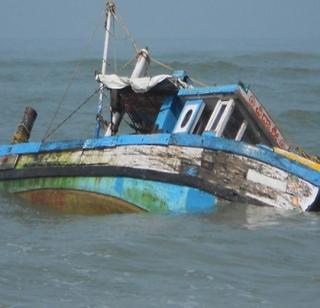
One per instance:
[(186, 118)]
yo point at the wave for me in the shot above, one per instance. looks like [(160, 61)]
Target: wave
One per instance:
[(278, 55), (292, 72), (206, 66), (285, 64), (191, 63), (8, 78), (301, 117), (184, 57), (12, 63), (315, 90), (274, 64)]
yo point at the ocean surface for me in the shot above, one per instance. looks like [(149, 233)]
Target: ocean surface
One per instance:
[(238, 256)]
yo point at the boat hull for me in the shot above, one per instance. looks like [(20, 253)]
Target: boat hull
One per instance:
[(97, 195), (157, 173)]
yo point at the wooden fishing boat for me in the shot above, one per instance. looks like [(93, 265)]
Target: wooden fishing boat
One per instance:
[(189, 148)]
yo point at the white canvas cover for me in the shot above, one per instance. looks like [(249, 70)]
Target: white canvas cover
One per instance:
[(138, 85)]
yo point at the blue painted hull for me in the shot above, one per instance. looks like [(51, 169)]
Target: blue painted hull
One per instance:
[(136, 194), (206, 142), (157, 173)]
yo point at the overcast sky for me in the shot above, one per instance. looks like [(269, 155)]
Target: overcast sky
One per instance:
[(161, 18), (164, 19)]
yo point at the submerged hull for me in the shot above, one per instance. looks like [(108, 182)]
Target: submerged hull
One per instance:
[(101, 194), (155, 173)]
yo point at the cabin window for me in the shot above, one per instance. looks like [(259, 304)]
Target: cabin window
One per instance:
[(230, 120), (204, 118), (236, 125), (186, 118), (220, 117), (189, 116), (252, 136), (242, 130)]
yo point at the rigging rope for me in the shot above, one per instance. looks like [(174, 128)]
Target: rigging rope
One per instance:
[(128, 63), (135, 45), (304, 154), (125, 29), (71, 81), (49, 132), (70, 115), (22, 134), (115, 64), (170, 68)]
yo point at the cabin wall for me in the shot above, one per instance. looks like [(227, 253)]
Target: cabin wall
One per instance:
[(168, 115), (253, 133), (264, 120)]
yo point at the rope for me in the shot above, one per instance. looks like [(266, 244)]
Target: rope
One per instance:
[(125, 29), (115, 64), (171, 69), (70, 115), (198, 82), (128, 63), (304, 154), (72, 79), (137, 49), (21, 135)]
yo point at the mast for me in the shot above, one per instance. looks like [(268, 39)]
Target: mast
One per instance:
[(109, 15)]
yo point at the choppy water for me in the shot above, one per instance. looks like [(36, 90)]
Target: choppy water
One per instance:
[(239, 256)]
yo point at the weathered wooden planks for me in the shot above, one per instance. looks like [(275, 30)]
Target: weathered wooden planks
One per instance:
[(226, 175), (8, 162)]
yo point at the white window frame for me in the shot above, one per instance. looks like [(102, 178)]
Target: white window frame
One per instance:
[(241, 130), (223, 121), (197, 107)]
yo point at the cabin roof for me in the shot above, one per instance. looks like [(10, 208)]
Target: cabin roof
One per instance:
[(224, 89)]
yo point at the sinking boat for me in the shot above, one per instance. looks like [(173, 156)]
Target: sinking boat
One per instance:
[(190, 147)]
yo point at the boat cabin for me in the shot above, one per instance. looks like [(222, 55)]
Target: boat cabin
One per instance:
[(167, 104), (219, 115)]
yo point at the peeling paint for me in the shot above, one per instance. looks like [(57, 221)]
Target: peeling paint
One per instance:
[(162, 176), (143, 195)]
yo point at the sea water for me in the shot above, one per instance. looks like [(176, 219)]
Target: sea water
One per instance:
[(238, 256)]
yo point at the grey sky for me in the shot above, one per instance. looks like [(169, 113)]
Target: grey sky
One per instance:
[(166, 18)]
